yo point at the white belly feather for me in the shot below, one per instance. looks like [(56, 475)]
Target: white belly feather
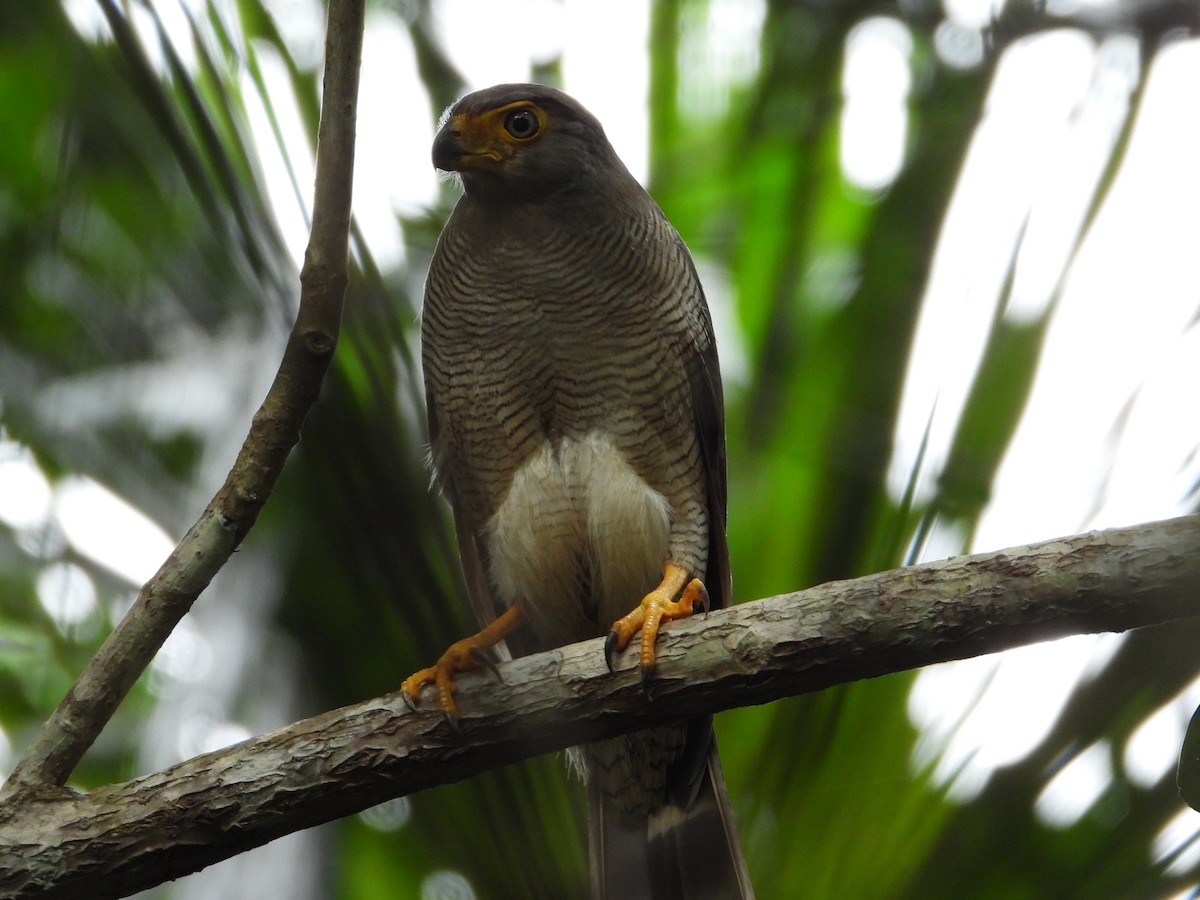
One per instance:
[(579, 539)]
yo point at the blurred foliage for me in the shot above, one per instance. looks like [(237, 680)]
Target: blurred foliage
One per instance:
[(134, 228)]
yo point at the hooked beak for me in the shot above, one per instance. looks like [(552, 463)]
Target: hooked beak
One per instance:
[(465, 143)]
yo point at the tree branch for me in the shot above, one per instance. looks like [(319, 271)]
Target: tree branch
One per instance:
[(165, 598), (127, 837)]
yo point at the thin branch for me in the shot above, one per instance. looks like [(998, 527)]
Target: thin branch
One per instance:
[(127, 837), (166, 597)]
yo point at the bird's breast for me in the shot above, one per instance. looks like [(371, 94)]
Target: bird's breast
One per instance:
[(578, 538)]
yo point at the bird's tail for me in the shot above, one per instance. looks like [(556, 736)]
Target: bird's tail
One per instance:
[(677, 854)]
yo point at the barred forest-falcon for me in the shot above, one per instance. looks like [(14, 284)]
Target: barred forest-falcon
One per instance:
[(577, 429)]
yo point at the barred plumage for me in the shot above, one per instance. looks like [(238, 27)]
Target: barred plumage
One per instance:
[(576, 428)]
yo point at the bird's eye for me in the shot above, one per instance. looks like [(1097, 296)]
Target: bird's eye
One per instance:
[(522, 124)]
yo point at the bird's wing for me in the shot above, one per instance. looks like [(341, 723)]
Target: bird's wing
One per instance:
[(704, 379), (688, 774), (471, 549)]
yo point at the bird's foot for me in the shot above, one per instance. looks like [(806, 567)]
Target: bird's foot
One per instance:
[(657, 607), (474, 652)]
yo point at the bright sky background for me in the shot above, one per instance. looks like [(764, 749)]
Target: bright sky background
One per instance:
[(1123, 336)]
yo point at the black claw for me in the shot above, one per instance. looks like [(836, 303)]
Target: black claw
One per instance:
[(485, 659), (704, 601), (408, 701), (647, 675), (452, 721), (610, 644)]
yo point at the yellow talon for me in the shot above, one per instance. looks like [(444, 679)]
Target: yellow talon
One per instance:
[(461, 656), (656, 607)]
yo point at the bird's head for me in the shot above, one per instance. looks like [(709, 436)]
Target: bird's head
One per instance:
[(525, 142)]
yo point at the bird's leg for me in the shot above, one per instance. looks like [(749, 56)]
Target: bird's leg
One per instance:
[(656, 607), (461, 656)]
